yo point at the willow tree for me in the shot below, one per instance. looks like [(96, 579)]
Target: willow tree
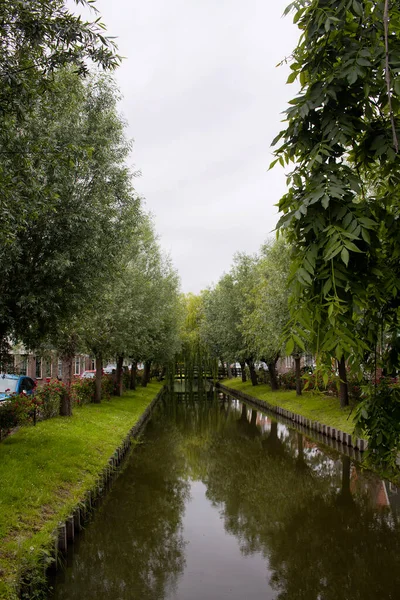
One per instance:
[(221, 325), (194, 350), (37, 39), (87, 210), (268, 316)]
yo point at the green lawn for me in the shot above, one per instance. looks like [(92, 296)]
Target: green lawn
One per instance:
[(312, 405), (46, 470)]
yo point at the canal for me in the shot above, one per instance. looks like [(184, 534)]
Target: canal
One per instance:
[(219, 501)]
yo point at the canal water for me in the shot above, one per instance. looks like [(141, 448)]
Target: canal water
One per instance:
[(219, 501)]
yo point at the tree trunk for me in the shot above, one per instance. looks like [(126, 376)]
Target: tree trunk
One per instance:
[(118, 378), (343, 390), (297, 359), (222, 367), (66, 401), (132, 384), (99, 376), (162, 372), (229, 371), (146, 373), (273, 374), (243, 369), (253, 374)]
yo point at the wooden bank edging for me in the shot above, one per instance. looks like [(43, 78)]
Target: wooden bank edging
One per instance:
[(323, 433), (64, 535)]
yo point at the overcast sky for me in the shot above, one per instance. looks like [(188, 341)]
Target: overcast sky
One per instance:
[(203, 99)]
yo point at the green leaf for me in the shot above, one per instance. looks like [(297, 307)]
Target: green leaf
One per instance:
[(325, 201), (365, 235), (357, 7), (299, 342), (290, 347), (327, 287), (271, 166), (303, 273), (344, 255), (350, 246)]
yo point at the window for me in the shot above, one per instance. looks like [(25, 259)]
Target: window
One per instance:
[(48, 368), (92, 364), (77, 365), (38, 372), (308, 360), (23, 365), (59, 368)]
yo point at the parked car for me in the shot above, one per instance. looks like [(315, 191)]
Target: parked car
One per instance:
[(109, 369), (15, 384), (88, 375)]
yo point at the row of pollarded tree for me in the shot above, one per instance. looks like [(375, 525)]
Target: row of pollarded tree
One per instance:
[(242, 318), (246, 318), (81, 267), (246, 312)]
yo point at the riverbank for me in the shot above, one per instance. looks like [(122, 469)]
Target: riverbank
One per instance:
[(45, 471), (314, 406)]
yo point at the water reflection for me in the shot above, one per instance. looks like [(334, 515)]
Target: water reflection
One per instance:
[(221, 501)]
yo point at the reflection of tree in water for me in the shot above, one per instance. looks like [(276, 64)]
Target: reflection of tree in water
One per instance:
[(304, 510), (322, 542), (134, 549)]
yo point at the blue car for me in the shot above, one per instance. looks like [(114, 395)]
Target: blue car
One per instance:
[(15, 384)]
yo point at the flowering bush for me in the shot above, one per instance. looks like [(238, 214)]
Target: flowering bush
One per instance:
[(45, 403), (8, 415), (18, 410), (49, 395), (287, 381), (82, 391), (107, 387)]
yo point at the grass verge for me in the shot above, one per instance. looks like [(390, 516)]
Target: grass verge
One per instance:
[(312, 405), (46, 470)]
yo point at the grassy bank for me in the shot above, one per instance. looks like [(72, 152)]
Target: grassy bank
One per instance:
[(312, 405), (46, 470)]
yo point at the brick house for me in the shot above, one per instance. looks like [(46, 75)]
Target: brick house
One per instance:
[(42, 368), (286, 363)]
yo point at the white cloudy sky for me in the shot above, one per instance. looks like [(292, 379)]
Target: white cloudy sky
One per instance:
[(203, 98)]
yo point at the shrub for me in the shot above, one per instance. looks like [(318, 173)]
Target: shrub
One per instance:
[(378, 417), (139, 377), (126, 379), (355, 387), (82, 391), (8, 416), (107, 387), (50, 395), (18, 410), (287, 381)]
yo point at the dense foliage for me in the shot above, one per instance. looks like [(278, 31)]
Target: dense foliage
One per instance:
[(341, 209), (82, 270)]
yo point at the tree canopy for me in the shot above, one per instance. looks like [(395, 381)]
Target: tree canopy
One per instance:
[(341, 209)]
